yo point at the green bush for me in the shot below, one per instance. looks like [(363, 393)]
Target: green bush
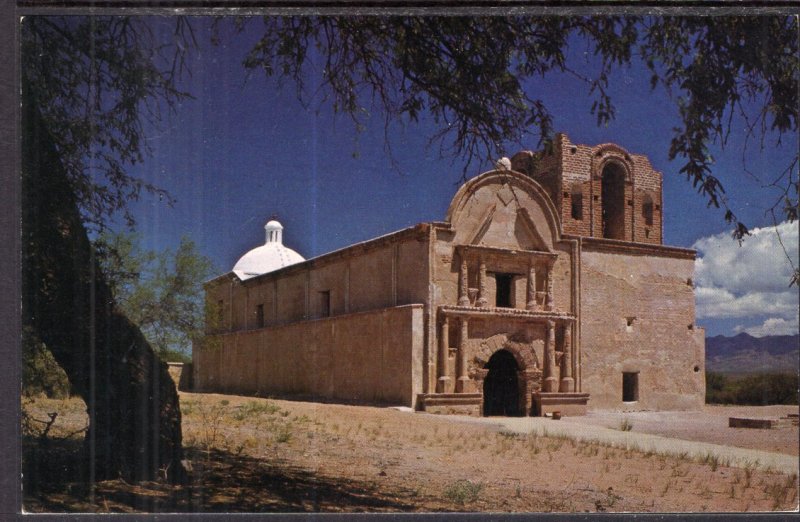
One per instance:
[(463, 491), (754, 390), (41, 374)]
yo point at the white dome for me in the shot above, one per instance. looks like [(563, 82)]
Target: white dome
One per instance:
[(268, 257)]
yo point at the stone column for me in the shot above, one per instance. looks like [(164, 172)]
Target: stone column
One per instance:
[(548, 303), (461, 360), (567, 382), (531, 301), (463, 286), (550, 382), (444, 347), (482, 284)]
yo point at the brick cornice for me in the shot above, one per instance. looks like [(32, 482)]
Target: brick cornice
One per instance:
[(615, 246)]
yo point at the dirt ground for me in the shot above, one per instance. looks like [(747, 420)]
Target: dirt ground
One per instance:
[(268, 455), (710, 425)]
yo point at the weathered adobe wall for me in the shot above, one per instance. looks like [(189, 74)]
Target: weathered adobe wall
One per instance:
[(373, 357), (500, 206), (368, 276), (506, 230), (662, 344)]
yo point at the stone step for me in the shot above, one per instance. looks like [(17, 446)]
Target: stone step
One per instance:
[(451, 399), (761, 424)]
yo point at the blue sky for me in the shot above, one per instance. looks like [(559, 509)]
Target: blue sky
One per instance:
[(243, 150)]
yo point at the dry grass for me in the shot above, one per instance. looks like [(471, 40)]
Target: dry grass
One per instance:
[(266, 455)]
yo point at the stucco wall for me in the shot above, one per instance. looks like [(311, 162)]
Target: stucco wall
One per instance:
[(662, 342), (372, 356), (387, 271)]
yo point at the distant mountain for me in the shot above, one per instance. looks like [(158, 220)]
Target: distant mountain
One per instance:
[(744, 353)]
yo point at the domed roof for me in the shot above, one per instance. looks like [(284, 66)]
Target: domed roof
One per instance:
[(269, 257)]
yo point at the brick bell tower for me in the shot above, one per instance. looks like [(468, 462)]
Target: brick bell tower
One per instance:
[(600, 191)]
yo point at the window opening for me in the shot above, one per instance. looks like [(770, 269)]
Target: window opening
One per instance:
[(613, 203), (260, 316), (630, 386), (325, 303), (503, 294)]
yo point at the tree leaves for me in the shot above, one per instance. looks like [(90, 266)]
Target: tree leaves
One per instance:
[(98, 83), (472, 75), (160, 292), (99, 79)]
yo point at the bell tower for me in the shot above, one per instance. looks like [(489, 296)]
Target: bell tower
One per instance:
[(600, 191)]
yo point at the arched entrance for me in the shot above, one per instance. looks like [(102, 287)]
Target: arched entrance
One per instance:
[(613, 194), (501, 385)]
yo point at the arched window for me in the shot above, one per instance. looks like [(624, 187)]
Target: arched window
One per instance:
[(647, 209), (577, 202), (613, 201)]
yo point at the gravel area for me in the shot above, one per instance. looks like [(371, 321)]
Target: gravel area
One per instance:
[(695, 433), (709, 425)]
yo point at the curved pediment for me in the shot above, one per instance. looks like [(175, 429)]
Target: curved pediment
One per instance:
[(504, 209)]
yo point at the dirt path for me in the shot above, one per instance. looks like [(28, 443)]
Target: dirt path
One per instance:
[(646, 442), (709, 425)]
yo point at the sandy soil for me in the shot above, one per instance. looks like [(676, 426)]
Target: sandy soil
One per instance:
[(253, 454), (710, 425)]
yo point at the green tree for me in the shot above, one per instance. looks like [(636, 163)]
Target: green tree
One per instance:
[(89, 85), (160, 292), (41, 374)]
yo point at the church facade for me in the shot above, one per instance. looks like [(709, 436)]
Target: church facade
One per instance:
[(545, 288)]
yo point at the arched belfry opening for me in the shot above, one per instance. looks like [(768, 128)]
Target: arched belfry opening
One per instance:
[(501, 385), (613, 201)]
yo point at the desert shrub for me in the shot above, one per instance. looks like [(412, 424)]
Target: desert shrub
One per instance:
[(253, 409), (755, 389), (283, 435), (463, 491), (41, 374), (625, 425), (212, 419)]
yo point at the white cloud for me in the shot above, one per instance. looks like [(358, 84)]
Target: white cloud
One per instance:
[(772, 326), (719, 303), (759, 265), (751, 280)]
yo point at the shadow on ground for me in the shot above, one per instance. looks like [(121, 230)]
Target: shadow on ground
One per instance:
[(219, 482)]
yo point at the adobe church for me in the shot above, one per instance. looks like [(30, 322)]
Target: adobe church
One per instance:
[(546, 288)]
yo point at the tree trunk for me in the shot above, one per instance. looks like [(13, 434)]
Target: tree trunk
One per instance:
[(135, 420)]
